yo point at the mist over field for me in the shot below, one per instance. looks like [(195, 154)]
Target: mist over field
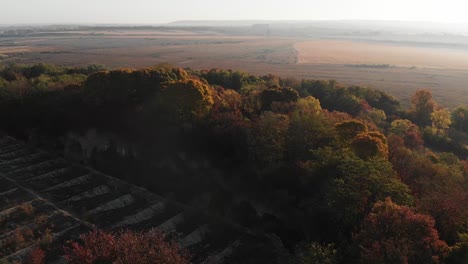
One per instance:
[(399, 57)]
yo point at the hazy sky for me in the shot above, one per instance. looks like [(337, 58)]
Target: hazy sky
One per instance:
[(157, 11)]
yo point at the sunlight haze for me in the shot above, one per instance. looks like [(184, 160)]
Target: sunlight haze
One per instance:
[(153, 12)]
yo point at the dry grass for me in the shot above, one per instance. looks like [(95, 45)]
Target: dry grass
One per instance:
[(15, 49), (349, 52), (260, 55)]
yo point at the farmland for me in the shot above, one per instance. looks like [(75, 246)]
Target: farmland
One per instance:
[(232, 167), (396, 68)]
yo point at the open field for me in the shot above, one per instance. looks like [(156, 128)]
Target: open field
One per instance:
[(349, 52), (409, 68)]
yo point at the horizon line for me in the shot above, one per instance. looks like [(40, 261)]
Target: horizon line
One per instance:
[(226, 20)]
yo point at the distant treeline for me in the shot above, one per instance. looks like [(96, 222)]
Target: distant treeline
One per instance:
[(377, 66)]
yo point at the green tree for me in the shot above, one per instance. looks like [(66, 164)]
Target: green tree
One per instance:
[(109, 88), (423, 105), (358, 185), (377, 116), (309, 128), (37, 70), (267, 140), (399, 127), (3, 83), (281, 95), (459, 118), (320, 254), (128, 87)]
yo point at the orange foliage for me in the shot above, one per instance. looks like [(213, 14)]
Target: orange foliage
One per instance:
[(349, 129), (371, 144)]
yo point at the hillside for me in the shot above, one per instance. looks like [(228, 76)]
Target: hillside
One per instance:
[(46, 201), (233, 167)]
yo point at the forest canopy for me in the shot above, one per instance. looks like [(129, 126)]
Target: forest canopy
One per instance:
[(331, 165)]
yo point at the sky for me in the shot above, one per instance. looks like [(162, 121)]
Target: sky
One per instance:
[(162, 11)]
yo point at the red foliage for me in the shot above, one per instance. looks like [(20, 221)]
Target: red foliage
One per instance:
[(395, 234), (395, 142), (449, 208), (413, 137), (124, 247), (336, 117), (36, 256), (438, 187), (464, 163), (365, 107)]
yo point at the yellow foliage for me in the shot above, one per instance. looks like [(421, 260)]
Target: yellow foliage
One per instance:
[(441, 120), (349, 129), (187, 99), (370, 144)]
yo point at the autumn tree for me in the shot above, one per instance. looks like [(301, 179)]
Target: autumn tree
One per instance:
[(370, 144), (377, 116), (279, 95), (228, 79), (129, 87), (149, 81), (333, 97), (219, 77), (349, 129), (36, 256), (186, 100), (441, 192), (460, 118), (405, 129), (320, 89), (395, 234), (39, 69), (400, 126), (309, 128), (228, 123), (268, 138), (436, 181), (359, 185), (441, 121), (423, 105), (320, 254), (227, 107), (109, 88), (413, 138), (459, 252), (308, 106), (3, 83), (344, 101), (124, 247)]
